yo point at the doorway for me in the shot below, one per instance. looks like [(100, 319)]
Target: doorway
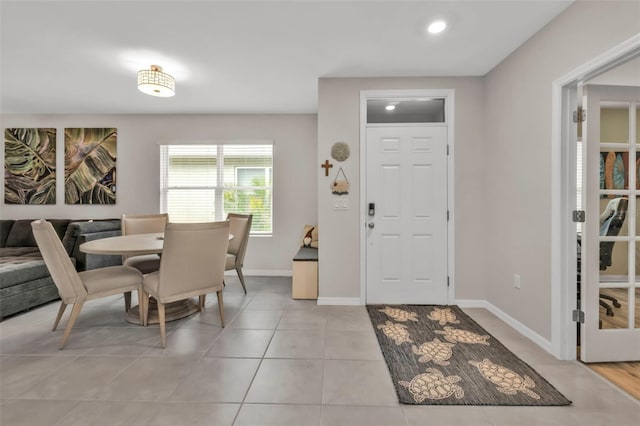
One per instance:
[(566, 96), (406, 152)]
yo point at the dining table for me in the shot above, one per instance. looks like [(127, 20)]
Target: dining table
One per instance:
[(136, 245)]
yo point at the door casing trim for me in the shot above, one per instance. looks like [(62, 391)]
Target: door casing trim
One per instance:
[(448, 95), (563, 249)]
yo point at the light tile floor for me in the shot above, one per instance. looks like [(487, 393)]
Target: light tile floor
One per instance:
[(278, 362)]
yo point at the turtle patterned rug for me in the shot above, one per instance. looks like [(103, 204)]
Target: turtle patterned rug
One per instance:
[(437, 355)]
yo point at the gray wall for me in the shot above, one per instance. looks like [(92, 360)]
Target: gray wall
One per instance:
[(294, 198), (518, 181), (339, 120)]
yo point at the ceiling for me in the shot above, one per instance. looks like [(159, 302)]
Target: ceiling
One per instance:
[(81, 57)]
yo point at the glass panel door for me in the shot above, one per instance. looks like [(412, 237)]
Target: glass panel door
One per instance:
[(611, 233)]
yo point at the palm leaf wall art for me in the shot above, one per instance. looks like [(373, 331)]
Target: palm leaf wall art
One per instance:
[(30, 166), (90, 166)]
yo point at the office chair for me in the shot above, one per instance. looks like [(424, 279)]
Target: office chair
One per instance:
[(611, 221)]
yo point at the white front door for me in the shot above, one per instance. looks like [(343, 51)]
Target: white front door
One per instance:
[(610, 240), (406, 188)]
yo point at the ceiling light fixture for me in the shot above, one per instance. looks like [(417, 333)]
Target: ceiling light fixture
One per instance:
[(437, 27), (154, 82), (390, 107)]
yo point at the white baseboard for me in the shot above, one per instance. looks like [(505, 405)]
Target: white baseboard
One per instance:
[(471, 303), (262, 272), (511, 321), (350, 301)]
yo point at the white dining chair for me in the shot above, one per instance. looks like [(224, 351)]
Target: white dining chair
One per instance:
[(192, 264), (78, 287)]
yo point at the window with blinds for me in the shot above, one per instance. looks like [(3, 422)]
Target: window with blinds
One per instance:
[(201, 183)]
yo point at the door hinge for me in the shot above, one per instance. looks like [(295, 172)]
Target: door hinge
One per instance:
[(447, 281), (578, 216), (580, 115), (447, 149), (577, 316), (447, 215)]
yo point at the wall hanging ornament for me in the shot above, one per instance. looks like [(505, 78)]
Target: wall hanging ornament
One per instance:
[(340, 186), (340, 151)]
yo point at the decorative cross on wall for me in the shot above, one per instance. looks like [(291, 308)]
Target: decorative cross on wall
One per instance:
[(326, 166)]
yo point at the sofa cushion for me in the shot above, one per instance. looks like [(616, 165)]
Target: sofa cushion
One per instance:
[(5, 227), (77, 228), (21, 235), (17, 270), (23, 296), (19, 251)]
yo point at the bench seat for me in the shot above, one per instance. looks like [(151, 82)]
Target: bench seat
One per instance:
[(305, 274)]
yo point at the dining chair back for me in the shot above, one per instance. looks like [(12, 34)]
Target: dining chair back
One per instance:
[(192, 264), (240, 228), (61, 269), (142, 224)]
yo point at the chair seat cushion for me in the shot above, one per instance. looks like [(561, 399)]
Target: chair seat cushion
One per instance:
[(231, 262), (145, 263), (151, 282), (111, 280)]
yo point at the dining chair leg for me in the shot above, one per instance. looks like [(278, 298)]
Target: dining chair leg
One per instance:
[(141, 307), (201, 300), (221, 308), (127, 301), (63, 306), (239, 271), (163, 331), (144, 303), (72, 319)]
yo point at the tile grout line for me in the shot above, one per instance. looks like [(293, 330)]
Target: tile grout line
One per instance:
[(255, 374)]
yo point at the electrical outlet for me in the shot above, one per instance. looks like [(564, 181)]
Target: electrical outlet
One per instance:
[(516, 281)]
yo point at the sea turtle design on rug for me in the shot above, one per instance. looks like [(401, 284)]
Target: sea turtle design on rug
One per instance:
[(435, 350), (399, 314), (507, 381), (396, 332), (433, 385), (443, 316), (457, 335)]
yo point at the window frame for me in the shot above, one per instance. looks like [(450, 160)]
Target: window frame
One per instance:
[(221, 186)]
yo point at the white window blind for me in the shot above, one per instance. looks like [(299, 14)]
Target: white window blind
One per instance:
[(200, 183)]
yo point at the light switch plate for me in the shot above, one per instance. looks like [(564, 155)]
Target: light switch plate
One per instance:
[(341, 204)]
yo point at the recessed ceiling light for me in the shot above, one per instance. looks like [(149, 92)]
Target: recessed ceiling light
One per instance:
[(437, 27), (390, 107)]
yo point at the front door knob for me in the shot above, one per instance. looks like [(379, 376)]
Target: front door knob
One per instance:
[(371, 225)]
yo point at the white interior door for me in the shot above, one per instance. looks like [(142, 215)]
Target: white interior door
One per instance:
[(611, 232), (406, 260)]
